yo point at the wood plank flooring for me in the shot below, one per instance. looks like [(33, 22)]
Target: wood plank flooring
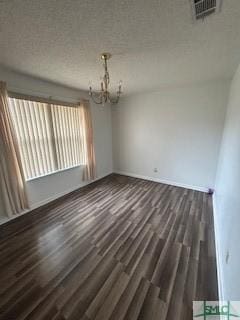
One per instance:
[(119, 249)]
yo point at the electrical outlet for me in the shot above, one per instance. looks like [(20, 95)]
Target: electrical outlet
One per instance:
[(227, 257), (155, 170)]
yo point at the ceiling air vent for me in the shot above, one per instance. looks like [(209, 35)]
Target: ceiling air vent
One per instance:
[(203, 8)]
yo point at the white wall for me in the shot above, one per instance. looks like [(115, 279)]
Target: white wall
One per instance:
[(177, 131), (227, 199), (51, 186)]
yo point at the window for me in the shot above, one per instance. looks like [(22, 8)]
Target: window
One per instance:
[(50, 136)]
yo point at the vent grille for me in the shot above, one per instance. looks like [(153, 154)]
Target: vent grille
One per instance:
[(203, 8)]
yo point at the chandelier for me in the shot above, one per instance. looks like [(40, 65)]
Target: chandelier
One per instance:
[(103, 95)]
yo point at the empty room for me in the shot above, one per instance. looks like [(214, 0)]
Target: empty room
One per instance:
[(119, 159)]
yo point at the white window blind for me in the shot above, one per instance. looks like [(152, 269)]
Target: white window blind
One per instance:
[(68, 136), (50, 137)]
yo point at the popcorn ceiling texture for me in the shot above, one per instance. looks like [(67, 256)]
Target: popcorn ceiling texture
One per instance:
[(154, 43)]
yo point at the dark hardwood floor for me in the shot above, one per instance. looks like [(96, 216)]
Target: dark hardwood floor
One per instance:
[(120, 248)]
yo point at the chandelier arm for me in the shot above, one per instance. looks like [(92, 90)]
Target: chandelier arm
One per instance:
[(94, 99), (114, 101)]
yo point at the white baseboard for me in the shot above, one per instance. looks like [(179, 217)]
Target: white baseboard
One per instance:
[(172, 183), (218, 252), (50, 199), (55, 197)]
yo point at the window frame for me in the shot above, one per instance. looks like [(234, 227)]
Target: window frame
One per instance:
[(53, 172), (49, 100)]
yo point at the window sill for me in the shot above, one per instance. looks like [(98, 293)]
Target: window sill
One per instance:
[(53, 172)]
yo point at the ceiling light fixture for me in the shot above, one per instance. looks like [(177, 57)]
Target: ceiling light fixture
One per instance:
[(103, 95)]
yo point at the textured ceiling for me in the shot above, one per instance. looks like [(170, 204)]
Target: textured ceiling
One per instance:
[(154, 43)]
